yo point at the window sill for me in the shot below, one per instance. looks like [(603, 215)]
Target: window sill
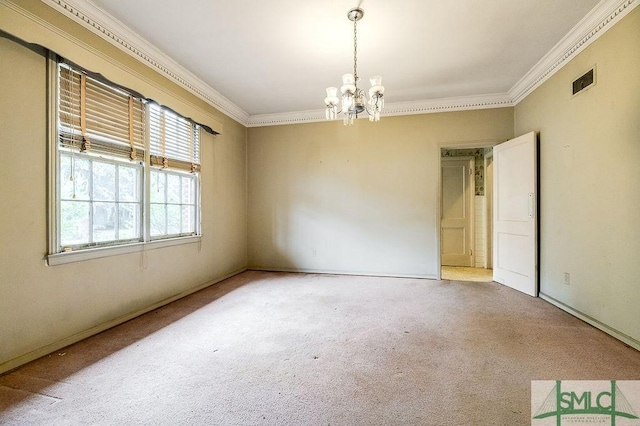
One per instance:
[(100, 252)]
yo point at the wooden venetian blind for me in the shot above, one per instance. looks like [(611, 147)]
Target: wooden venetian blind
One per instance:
[(97, 117), (174, 141)]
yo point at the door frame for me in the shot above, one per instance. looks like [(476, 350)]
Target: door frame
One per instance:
[(483, 143), (488, 226)]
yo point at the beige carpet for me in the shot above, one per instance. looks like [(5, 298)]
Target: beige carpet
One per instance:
[(298, 349)]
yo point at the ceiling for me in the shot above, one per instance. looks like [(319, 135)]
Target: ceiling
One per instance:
[(278, 56)]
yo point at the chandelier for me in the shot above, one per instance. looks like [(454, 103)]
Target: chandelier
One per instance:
[(354, 99)]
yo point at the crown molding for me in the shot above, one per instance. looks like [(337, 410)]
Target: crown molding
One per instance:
[(115, 32), (294, 117), (604, 16), (461, 103), (498, 100), (589, 29)]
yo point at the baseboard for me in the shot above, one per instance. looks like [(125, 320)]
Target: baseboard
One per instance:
[(331, 272), (592, 321), (52, 347)]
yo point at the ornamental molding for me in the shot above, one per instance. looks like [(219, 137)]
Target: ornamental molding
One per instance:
[(604, 16), (115, 32), (391, 109)]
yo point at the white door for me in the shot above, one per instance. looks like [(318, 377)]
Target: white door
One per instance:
[(514, 214), (457, 211)]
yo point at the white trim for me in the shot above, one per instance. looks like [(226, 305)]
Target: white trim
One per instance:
[(488, 206), (100, 252), (52, 347), (294, 117), (463, 103), (628, 340), (53, 171), (472, 209), (606, 14)]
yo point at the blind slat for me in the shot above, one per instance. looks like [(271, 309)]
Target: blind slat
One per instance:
[(102, 114), (115, 123), (174, 141), (99, 146), (118, 128)]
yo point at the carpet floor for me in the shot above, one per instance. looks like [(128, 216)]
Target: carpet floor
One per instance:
[(300, 349)]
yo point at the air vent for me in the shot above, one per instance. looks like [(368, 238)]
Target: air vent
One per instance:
[(585, 81)]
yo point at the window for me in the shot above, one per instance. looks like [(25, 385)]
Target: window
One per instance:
[(126, 169), (173, 206), (100, 201), (175, 156)]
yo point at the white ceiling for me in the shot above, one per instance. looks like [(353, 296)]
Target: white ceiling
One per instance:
[(278, 56)]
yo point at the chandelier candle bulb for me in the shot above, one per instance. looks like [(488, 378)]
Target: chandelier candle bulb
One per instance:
[(332, 103), (332, 96), (332, 93), (348, 84)]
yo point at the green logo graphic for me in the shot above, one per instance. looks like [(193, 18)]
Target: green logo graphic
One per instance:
[(609, 402)]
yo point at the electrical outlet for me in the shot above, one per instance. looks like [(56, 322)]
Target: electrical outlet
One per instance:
[(567, 279), (314, 253)]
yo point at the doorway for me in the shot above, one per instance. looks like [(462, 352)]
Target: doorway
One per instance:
[(465, 238), (514, 232)]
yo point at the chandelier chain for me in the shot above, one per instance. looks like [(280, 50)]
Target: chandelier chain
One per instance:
[(355, 52)]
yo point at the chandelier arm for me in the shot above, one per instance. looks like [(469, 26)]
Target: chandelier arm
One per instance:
[(370, 109)]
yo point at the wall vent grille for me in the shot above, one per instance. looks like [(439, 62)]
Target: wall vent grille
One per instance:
[(585, 81)]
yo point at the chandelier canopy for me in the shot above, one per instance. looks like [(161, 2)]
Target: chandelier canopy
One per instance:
[(354, 99)]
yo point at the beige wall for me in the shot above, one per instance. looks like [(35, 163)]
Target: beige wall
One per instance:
[(590, 180), (360, 199), (42, 306)]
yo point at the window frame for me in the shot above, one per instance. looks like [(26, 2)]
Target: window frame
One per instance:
[(57, 255)]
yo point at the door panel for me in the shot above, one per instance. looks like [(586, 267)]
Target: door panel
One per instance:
[(515, 223), (457, 211), (453, 240)]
